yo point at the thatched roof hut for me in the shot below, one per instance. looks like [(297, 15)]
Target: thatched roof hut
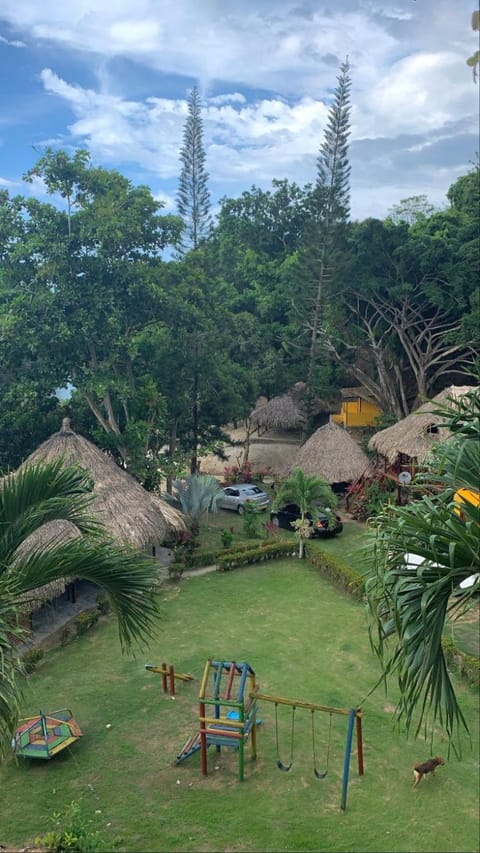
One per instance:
[(415, 435), (332, 453), (287, 412), (130, 514)]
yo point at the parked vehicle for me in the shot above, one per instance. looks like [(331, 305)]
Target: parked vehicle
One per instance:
[(326, 523), (237, 495)]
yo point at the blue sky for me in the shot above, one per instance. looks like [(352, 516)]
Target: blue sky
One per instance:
[(114, 77)]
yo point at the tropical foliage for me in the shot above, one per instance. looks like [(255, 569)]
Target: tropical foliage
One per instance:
[(33, 497), (425, 560), (310, 494)]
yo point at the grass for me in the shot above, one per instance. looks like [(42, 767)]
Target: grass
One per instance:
[(305, 641)]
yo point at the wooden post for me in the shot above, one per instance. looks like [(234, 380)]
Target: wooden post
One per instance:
[(171, 674), (164, 677)]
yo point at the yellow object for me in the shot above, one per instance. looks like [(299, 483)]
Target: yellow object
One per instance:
[(358, 409), (463, 496)]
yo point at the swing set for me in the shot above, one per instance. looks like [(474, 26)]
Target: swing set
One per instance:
[(354, 719), (228, 705)]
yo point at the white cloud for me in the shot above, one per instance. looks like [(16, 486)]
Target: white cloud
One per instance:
[(12, 43), (267, 70)]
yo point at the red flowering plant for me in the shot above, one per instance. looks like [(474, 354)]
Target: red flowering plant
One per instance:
[(244, 473)]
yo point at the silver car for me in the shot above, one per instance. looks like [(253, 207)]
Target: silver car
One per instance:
[(237, 495)]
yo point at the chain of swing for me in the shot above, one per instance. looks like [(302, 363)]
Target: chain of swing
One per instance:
[(319, 774)]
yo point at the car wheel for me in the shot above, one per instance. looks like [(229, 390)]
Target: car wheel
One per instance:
[(240, 509), (275, 520)]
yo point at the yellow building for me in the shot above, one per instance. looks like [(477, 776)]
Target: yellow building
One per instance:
[(359, 408)]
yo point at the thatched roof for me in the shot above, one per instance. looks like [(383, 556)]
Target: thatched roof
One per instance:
[(130, 514), (286, 412), (332, 453), (50, 534), (357, 391), (415, 435)]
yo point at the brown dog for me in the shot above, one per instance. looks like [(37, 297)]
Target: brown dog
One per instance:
[(429, 766)]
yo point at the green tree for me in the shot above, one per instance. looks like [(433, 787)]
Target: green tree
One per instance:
[(406, 310), (80, 286), (310, 493), (424, 568), (43, 493), (193, 195), (332, 192)]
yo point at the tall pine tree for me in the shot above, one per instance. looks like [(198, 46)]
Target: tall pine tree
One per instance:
[(193, 196), (332, 203), (194, 207)]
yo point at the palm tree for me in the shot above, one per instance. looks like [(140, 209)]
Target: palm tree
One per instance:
[(310, 493), (35, 496), (425, 559)]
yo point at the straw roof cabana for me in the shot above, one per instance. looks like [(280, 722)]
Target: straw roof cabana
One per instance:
[(415, 435), (332, 453), (287, 412), (130, 514)]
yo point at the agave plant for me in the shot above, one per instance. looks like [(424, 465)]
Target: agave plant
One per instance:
[(196, 495), (425, 568), (49, 492)]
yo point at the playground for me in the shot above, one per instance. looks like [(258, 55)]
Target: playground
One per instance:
[(301, 651)]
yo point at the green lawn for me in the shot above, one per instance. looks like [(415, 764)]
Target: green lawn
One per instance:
[(306, 641)]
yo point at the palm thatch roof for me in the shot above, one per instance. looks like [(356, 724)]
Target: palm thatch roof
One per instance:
[(415, 435), (286, 412), (130, 514), (332, 453)]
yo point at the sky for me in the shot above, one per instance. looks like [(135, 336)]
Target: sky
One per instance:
[(115, 77)]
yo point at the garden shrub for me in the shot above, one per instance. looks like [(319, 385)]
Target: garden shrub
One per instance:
[(467, 665), (337, 571), (74, 832), (246, 556), (103, 605), (31, 658), (84, 621), (251, 520), (226, 536)]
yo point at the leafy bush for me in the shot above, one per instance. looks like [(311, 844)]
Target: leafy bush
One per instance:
[(271, 530), (227, 536), (103, 605), (368, 498), (244, 473), (74, 832), (251, 520), (84, 621), (467, 665), (31, 658), (247, 556), (333, 569)]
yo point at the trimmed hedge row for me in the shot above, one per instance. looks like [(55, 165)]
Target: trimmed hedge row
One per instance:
[(467, 665), (337, 571), (245, 556)]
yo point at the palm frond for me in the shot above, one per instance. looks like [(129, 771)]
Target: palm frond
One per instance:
[(420, 556)]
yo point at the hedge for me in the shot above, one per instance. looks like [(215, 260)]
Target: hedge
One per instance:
[(246, 555), (337, 571), (467, 665)]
